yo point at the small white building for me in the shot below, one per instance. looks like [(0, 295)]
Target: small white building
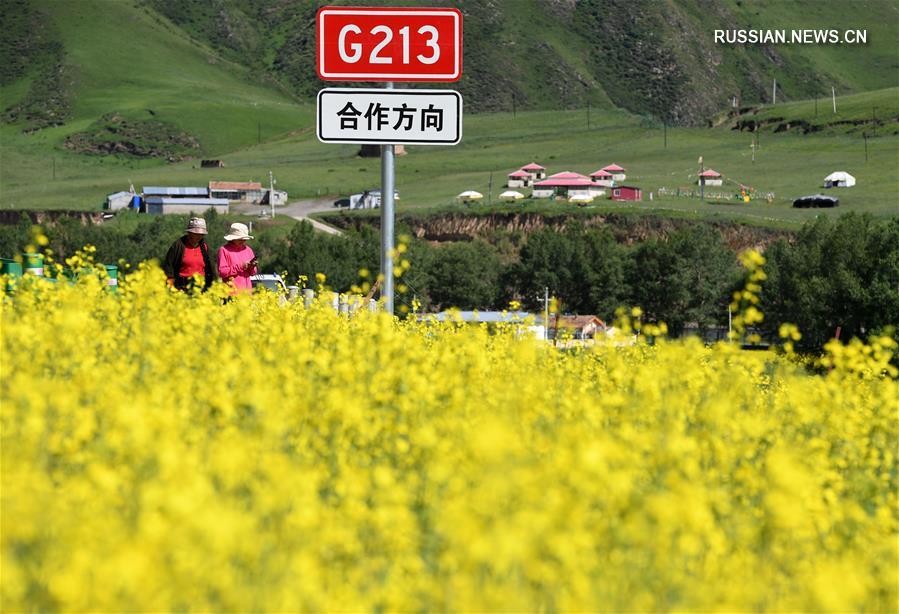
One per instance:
[(709, 177), (519, 179), (119, 200), (616, 171), (163, 205), (536, 171), (280, 198), (603, 178), (839, 179)]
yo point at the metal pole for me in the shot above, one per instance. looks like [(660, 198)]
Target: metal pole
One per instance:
[(833, 92), (387, 189), (271, 192), (546, 313), (774, 92)]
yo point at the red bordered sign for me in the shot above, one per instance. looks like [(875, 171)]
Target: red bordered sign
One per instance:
[(389, 44)]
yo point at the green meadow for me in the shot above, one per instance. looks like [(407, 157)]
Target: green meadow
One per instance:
[(255, 127)]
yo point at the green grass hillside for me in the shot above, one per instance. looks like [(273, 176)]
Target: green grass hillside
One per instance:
[(656, 57), (123, 64)]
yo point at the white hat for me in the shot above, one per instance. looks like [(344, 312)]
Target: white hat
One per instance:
[(197, 226), (238, 231)]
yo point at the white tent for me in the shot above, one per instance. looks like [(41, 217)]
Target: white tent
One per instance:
[(581, 199), (511, 195), (469, 195), (839, 179)]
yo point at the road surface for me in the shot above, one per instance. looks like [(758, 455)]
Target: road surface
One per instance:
[(297, 209)]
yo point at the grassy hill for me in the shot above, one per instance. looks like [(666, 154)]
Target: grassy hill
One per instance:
[(124, 67), (655, 57)]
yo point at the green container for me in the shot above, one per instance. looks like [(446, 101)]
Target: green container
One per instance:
[(112, 271), (34, 264), (13, 271), (10, 267)]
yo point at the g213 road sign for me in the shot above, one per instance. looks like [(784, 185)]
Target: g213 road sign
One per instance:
[(389, 44)]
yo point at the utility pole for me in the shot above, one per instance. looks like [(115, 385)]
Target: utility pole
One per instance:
[(490, 189), (545, 300), (701, 181), (271, 192), (774, 92), (752, 147), (865, 136), (833, 93), (546, 310)]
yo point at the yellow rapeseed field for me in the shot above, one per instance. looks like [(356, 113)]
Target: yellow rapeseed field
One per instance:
[(163, 452)]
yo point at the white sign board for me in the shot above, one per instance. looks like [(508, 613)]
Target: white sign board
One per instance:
[(382, 116)]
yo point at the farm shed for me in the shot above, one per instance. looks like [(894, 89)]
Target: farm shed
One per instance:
[(119, 200), (249, 192), (162, 205), (626, 192), (170, 192)]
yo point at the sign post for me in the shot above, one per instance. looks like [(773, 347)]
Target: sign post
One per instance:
[(386, 45)]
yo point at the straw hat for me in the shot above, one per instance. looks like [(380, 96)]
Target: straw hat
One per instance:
[(197, 226), (238, 231)]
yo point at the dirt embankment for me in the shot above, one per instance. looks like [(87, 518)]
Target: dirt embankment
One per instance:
[(48, 217), (626, 229)]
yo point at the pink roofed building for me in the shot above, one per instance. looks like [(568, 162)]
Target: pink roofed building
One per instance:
[(536, 171), (710, 177), (567, 184), (519, 179), (602, 177), (617, 172)]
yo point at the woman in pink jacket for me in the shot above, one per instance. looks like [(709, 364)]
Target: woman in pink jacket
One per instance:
[(236, 260)]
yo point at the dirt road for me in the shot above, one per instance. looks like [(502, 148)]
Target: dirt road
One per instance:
[(297, 209)]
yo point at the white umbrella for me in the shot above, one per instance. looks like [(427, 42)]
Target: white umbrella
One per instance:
[(580, 199), (470, 195), (511, 195)]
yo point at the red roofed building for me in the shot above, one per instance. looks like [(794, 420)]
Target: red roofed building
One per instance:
[(710, 177), (519, 179), (602, 177), (617, 172), (566, 184), (536, 171), (241, 191), (626, 192), (576, 327)]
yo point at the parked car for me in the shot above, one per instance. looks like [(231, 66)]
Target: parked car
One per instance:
[(269, 281), (342, 202)]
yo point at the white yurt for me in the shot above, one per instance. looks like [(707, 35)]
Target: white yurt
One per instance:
[(839, 179), (470, 196), (510, 196)]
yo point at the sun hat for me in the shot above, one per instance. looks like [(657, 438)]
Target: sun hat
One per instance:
[(238, 231), (197, 225)]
